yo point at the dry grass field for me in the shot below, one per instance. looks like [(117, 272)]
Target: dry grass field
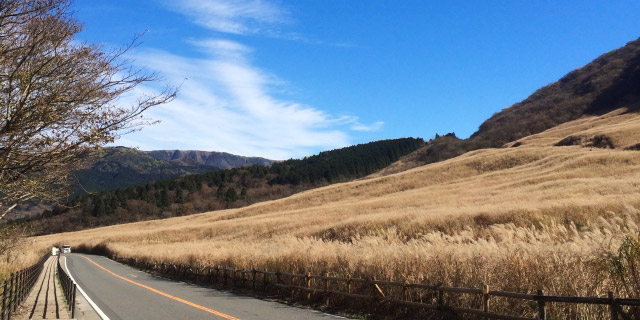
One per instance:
[(517, 218)]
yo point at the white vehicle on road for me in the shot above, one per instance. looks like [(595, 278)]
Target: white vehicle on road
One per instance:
[(66, 248)]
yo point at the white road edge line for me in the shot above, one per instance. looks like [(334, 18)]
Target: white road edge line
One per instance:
[(84, 294), (104, 317)]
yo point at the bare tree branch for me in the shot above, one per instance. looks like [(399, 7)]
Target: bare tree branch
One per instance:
[(59, 99)]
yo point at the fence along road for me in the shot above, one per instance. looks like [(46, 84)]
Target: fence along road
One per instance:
[(121, 292), (45, 300)]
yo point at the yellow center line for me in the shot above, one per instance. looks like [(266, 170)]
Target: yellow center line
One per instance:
[(197, 306)]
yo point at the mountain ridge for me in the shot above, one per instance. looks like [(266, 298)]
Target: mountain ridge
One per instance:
[(221, 160), (609, 82)]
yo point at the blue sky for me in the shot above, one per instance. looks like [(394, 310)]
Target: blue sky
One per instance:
[(282, 79)]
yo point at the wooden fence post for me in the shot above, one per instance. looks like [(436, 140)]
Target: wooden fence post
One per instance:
[(291, 288), (405, 293), (326, 287), (485, 298), (12, 295), (253, 276), (308, 284), (264, 280), (4, 300), (233, 277), (612, 306), (542, 312), (348, 283)]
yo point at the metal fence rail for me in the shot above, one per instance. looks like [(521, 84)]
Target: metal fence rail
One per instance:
[(17, 287), (68, 288)]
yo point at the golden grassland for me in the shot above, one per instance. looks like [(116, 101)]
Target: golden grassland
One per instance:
[(518, 219)]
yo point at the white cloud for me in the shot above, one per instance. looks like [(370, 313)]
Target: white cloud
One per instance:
[(368, 128), (227, 104), (245, 17), (233, 16)]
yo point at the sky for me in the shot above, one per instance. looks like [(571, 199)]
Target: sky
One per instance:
[(288, 79)]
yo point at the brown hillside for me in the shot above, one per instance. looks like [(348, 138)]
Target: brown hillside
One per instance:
[(609, 82), (537, 215)]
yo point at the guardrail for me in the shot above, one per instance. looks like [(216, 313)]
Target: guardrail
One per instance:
[(68, 288), (377, 292), (17, 287)]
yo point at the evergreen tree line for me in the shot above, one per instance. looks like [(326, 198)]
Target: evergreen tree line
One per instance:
[(233, 187)]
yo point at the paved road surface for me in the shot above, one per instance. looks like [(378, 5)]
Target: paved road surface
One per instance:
[(121, 292)]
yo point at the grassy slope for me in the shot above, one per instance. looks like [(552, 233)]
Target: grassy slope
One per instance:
[(609, 82), (548, 207)]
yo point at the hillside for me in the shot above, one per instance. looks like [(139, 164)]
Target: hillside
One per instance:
[(219, 160), (522, 218), (222, 189), (609, 82), (120, 167), (545, 196)]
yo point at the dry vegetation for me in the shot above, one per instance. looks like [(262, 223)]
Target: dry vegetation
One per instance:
[(519, 219)]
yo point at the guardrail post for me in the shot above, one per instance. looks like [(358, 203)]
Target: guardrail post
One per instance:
[(542, 312), (612, 306), (73, 302), (485, 298)]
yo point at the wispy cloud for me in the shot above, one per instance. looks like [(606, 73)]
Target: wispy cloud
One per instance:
[(245, 17), (227, 104), (368, 128), (233, 16)]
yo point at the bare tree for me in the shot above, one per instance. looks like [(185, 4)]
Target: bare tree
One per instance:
[(59, 99)]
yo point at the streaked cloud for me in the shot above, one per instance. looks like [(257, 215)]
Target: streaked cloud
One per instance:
[(233, 16), (245, 17), (227, 104), (368, 128)]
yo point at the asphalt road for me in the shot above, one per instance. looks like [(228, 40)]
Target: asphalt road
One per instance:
[(121, 292)]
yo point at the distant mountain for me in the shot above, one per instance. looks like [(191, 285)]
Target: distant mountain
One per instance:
[(213, 190), (609, 82), (119, 167), (220, 160)]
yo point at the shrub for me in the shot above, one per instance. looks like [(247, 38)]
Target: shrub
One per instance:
[(624, 266)]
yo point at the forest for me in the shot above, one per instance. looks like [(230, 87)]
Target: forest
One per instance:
[(220, 189)]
